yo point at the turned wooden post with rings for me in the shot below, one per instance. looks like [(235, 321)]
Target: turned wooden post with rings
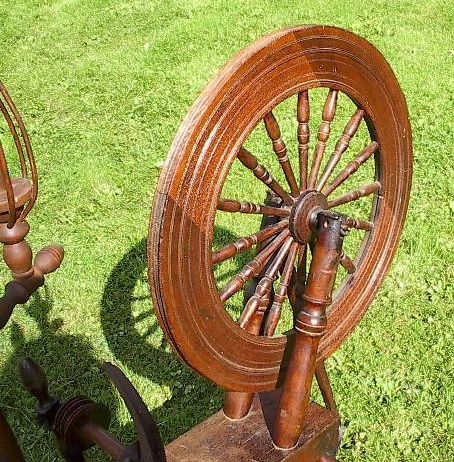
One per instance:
[(17, 198)]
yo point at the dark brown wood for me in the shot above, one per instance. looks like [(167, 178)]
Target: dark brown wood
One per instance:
[(79, 423), (245, 243), (341, 146), (283, 65), (237, 404), (351, 167), (274, 132), (229, 205), (17, 196), (347, 263), (280, 295), (310, 325), (298, 282), (27, 276), (22, 143), (219, 439), (9, 449), (329, 112), (254, 267), (15, 134), (261, 173), (93, 432), (261, 297), (303, 114), (325, 386), (359, 224), (351, 196)]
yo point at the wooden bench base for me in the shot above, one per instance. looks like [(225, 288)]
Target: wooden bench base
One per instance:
[(219, 439)]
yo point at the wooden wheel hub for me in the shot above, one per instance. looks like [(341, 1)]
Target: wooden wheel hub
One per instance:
[(303, 215)]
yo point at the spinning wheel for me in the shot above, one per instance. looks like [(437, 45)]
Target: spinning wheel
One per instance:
[(320, 220), (288, 69)]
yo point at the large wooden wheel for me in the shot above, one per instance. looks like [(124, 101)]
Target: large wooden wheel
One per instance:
[(333, 83)]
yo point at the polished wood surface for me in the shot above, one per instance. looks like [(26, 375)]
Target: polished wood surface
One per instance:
[(219, 439), (291, 63), (310, 325), (9, 449)]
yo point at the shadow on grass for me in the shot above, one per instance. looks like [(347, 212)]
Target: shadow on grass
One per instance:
[(71, 368), (146, 352)]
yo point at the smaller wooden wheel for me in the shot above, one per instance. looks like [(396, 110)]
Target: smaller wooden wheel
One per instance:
[(335, 95)]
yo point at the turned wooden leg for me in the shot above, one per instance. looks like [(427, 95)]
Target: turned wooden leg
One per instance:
[(28, 276), (238, 403), (310, 325), (9, 449), (325, 386)]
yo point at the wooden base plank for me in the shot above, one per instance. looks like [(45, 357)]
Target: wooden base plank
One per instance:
[(219, 439)]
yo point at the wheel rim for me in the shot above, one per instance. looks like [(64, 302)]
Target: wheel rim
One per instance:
[(181, 277)]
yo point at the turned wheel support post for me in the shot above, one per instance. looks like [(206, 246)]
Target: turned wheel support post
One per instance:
[(310, 325)]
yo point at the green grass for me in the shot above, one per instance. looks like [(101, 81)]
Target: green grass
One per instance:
[(102, 87)]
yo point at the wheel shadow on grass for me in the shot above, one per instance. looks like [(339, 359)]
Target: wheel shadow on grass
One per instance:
[(137, 342)]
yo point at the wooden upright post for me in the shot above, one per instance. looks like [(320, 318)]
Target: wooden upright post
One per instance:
[(310, 326)]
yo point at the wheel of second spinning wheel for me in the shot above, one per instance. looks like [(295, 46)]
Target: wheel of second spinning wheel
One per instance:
[(229, 166)]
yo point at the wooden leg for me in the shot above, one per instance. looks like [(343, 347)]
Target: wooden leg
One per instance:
[(9, 450), (238, 403), (310, 325), (325, 386)]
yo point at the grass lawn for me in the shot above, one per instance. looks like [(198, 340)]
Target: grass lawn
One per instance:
[(102, 87)]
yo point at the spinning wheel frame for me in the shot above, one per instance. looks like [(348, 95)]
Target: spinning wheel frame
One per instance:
[(184, 292)]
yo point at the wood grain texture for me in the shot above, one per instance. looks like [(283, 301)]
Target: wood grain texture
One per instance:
[(247, 90), (219, 439)]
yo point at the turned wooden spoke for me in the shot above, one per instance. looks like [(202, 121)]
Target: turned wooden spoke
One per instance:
[(351, 167), (254, 267), (230, 205), (298, 281), (347, 263), (301, 273), (303, 136), (341, 146), (274, 132), (260, 172), (281, 292), (329, 112), (355, 195), (261, 298), (359, 224), (245, 243)]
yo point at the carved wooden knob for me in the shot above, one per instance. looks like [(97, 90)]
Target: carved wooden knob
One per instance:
[(34, 380), (49, 258)]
